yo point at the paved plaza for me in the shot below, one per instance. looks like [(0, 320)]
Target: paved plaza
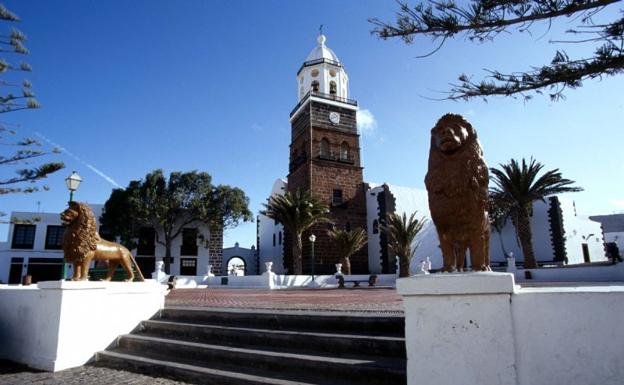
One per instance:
[(368, 300)]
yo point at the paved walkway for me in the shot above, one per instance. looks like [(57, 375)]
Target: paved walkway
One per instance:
[(368, 300), (14, 374)]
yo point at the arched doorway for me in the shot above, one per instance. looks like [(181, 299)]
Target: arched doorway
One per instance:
[(236, 266)]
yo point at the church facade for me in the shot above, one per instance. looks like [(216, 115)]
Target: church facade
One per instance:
[(325, 155), (325, 158)]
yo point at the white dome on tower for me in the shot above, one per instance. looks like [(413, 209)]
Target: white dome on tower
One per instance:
[(322, 51), (322, 73)]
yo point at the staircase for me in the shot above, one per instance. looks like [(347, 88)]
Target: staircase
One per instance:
[(236, 346)]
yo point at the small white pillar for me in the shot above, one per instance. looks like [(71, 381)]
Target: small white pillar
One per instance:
[(458, 328), (159, 275)]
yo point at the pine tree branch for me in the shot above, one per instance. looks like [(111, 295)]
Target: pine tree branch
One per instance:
[(559, 76), (480, 19)]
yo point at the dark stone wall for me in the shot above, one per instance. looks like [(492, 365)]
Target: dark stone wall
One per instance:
[(557, 232), (323, 175)]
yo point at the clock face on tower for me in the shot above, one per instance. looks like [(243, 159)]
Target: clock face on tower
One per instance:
[(334, 117)]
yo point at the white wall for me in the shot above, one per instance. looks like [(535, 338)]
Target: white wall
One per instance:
[(248, 255), (57, 325), (478, 328), (569, 336), (578, 230), (266, 229)]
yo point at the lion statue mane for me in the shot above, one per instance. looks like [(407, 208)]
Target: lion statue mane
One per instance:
[(457, 186), (82, 244)]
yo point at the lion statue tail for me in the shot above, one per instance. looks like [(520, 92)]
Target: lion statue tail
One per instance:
[(136, 266)]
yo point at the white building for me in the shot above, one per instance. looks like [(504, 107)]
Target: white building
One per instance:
[(613, 231), (271, 235), (559, 234), (34, 248)]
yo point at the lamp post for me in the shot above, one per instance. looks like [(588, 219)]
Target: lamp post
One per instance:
[(312, 239), (73, 182)]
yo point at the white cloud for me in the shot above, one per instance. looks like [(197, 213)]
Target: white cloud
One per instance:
[(366, 122), (618, 203), (257, 127)]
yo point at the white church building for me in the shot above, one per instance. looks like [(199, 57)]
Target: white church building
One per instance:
[(559, 235)]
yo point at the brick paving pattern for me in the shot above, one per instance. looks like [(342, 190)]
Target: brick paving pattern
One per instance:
[(13, 374), (368, 300)]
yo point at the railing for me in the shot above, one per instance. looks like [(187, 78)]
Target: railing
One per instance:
[(318, 61), (322, 95), (337, 157)]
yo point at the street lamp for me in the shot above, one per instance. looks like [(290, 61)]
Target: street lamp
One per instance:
[(72, 182), (312, 239)]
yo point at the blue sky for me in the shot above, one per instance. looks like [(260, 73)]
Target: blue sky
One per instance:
[(129, 87)]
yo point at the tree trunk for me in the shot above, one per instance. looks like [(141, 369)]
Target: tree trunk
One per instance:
[(297, 259), (524, 233), (346, 265), (167, 256), (403, 266)]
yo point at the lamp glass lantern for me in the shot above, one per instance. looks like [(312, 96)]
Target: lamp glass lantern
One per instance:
[(73, 182)]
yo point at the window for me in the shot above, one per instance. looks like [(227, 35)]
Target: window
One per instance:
[(54, 237), (315, 86), (332, 87), (147, 239), (337, 197), (280, 237), (189, 241), (344, 151), (23, 236), (325, 148), (273, 239)]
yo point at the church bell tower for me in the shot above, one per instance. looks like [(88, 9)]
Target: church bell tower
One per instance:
[(325, 156)]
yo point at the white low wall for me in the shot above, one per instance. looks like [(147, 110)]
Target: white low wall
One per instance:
[(277, 281), (479, 328), (56, 325), (585, 273)]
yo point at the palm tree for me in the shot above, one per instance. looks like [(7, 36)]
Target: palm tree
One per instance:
[(498, 212), (347, 244), (401, 232), (297, 212), (519, 186)]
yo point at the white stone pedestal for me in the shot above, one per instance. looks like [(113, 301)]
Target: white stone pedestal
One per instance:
[(56, 325), (459, 328)]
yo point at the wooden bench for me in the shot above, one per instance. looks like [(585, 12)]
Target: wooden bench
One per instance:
[(372, 280)]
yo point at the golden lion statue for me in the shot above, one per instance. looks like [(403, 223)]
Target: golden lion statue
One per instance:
[(457, 184), (82, 244)]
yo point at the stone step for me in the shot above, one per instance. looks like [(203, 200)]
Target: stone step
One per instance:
[(243, 336), (390, 325), (364, 369), (188, 373)]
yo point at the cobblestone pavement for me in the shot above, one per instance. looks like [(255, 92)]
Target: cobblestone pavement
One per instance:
[(377, 300), (14, 374)]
